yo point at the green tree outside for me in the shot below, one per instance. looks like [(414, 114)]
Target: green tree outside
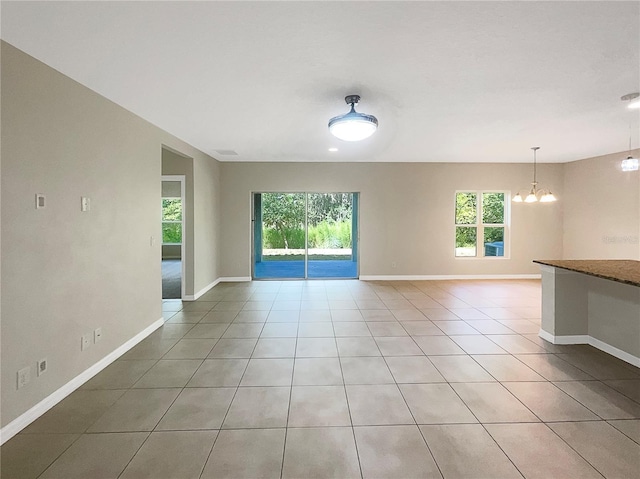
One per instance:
[(328, 216), (284, 214), (466, 214), (492, 207), (171, 212)]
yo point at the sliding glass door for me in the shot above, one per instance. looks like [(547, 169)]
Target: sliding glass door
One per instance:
[(279, 235), (330, 226), (305, 235)]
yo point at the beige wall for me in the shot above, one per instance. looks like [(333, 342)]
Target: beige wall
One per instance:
[(406, 213), (602, 209), (64, 272), (206, 216)]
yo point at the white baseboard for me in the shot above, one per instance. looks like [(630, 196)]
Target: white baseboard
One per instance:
[(547, 336), (231, 279), (22, 421), (613, 351), (576, 339), (190, 297), (430, 277), (596, 343)]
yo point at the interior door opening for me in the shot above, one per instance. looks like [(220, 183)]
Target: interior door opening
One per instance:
[(305, 235), (173, 201)]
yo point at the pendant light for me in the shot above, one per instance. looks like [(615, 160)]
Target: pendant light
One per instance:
[(630, 163), (545, 196), (353, 126)]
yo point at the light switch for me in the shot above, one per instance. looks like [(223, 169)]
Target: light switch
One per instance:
[(86, 203), (40, 201)]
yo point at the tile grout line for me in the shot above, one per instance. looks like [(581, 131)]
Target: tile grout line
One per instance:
[(346, 396), (286, 430), (569, 445)]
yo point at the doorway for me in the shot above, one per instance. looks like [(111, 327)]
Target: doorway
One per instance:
[(305, 235), (173, 265)]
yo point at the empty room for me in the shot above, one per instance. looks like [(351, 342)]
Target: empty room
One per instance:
[(319, 239)]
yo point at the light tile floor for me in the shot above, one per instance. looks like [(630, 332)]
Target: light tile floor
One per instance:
[(345, 379)]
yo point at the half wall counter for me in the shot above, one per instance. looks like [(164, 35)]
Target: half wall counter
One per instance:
[(594, 302)]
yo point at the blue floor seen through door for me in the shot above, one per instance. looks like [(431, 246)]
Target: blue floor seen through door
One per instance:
[(316, 269)]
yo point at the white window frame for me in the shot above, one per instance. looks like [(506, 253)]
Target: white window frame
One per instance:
[(480, 226), (182, 198), (173, 221)]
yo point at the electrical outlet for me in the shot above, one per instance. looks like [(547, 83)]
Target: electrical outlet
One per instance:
[(24, 376), (97, 335), (85, 342), (42, 366)]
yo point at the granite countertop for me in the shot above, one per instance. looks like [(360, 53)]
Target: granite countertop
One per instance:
[(623, 271)]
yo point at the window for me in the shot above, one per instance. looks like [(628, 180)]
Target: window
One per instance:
[(481, 224), (171, 221)]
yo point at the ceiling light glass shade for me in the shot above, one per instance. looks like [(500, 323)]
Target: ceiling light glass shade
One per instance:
[(634, 104), (630, 164), (353, 126), (548, 198), (517, 198), (531, 198)]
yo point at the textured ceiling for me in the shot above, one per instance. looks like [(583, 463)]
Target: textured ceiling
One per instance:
[(448, 81)]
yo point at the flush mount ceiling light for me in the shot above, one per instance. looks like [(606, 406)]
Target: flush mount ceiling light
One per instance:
[(630, 163), (353, 126), (545, 196)]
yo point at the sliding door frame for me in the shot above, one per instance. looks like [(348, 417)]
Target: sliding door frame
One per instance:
[(256, 234)]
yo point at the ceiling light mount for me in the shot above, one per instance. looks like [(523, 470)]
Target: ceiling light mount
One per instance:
[(353, 126), (535, 194), (352, 100)]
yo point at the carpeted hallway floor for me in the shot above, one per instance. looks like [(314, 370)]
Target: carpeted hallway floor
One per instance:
[(171, 279)]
